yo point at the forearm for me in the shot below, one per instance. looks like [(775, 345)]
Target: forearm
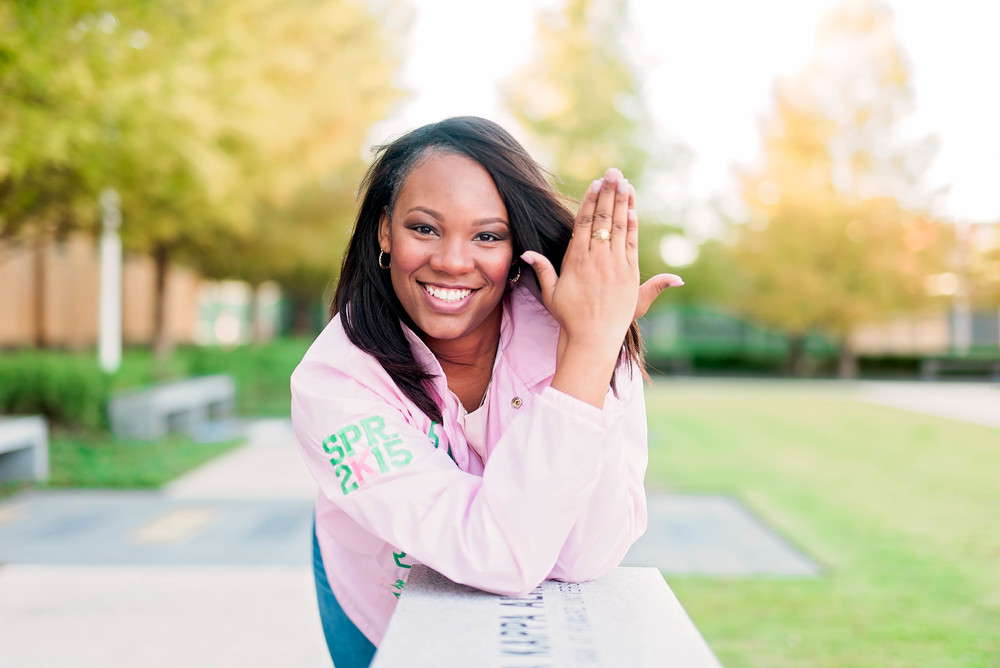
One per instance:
[(584, 370), (615, 515)]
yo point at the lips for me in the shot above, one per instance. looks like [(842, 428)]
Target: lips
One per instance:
[(448, 295)]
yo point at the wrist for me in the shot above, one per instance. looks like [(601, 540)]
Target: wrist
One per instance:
[(584, 372)]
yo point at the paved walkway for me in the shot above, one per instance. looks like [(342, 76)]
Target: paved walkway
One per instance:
[(214, 570), (978, 403)]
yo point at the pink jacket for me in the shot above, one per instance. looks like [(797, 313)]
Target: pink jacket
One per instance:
[(560, 494)]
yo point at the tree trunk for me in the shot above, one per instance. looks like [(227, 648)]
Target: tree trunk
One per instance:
[(847, 361), (795, 363), (161, 338), (254, 314), (302, 316), (41, 276)]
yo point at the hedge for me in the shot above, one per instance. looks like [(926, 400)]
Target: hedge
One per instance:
[(69, 390)]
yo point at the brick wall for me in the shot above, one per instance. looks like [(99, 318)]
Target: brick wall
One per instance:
[(70, 296)]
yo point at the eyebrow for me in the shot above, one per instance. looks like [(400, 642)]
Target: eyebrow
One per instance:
[(437, 216)]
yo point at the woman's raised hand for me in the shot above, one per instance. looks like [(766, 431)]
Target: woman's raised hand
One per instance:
[(598, 294)]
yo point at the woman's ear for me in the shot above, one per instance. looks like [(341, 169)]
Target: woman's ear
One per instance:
[(384, 235)]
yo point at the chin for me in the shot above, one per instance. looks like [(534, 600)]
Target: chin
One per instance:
[(444, 334)]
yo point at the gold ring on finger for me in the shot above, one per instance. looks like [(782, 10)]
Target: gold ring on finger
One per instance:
[(601, 234)]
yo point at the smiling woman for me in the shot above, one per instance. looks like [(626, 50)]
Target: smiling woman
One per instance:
[(452, 252), (475, 403)]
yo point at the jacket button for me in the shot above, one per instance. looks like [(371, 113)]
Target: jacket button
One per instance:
[(516, 402)]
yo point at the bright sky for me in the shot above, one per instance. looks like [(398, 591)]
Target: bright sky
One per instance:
[(708, 69)]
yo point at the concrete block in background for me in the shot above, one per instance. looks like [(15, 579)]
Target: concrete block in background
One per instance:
[(24, 448), (150, 413)]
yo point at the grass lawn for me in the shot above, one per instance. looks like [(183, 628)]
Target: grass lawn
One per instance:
[(261, 371), (82, 460), (902, 510), (82, 453)]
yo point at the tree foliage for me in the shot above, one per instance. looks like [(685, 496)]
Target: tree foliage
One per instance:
[(836, 236), (981, 247), (232, 129), (579, 97), (580, 100)]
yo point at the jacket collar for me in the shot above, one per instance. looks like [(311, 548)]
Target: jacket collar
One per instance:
[(528, 328)]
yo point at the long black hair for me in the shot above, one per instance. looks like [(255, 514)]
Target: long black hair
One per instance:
[(539, 217)]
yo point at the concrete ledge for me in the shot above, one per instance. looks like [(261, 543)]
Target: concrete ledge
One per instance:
[(938, 367), (629, 617), (24, 448), (150, 413)]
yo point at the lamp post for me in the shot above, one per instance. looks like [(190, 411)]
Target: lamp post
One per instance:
[(109, 343), (961, 309)]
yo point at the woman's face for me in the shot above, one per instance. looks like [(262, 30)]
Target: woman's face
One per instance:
[(451, 248)]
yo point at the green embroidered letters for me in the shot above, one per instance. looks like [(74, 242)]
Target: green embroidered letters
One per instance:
[(352, 458)]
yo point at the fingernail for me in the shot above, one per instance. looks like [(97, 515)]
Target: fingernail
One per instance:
[(623, 186), (632, 216), (613, 174), (527, 258), (595, 186)]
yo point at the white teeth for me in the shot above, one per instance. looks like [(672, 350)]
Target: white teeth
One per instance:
[(445, 294)]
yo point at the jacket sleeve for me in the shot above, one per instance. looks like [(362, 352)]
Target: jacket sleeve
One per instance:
[(502, 532), (614, 516)]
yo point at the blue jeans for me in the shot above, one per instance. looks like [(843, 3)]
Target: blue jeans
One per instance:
[(349, 648)]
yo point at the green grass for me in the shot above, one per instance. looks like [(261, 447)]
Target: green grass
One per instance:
[(82, 453), (261, 371), (902, 511), (94, 460)]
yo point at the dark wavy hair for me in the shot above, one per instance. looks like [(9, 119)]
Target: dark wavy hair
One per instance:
[(539, 217)]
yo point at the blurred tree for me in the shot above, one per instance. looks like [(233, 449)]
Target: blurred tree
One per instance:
[(580, 101), (979, 264), (579, 96), (215, 121), (835, 236), (308, 79), (985, 277)]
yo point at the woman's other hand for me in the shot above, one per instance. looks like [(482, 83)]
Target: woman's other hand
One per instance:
[(598, 294)]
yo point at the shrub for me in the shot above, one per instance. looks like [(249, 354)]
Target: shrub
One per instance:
[(69, 390), (261, 372)]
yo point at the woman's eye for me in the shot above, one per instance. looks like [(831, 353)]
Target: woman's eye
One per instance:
[(487, 236), (423, 229)]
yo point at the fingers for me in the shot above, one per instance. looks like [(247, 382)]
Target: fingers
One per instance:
[(651, 289), (632, 234), (585, 217), (619, 219), (607, 205), (544, 272)]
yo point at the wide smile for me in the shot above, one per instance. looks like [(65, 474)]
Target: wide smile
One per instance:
[(444, 295)]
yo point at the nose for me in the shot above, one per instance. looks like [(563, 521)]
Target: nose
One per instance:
[(452, 256)]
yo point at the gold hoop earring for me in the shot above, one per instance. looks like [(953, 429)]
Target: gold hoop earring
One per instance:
[(517, 276), (380, 263)]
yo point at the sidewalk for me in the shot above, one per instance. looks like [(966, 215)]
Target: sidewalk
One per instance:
[(978, 403), (214, 571)]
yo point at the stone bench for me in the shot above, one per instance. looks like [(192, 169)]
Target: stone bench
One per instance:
[(964, 366), (150, 413), (24, 448), (629, 617)]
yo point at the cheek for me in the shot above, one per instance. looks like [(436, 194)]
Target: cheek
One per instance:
[(399, 281), (500, 270), (404, 262)]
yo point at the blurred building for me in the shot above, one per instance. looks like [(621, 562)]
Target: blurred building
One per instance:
[(968, 321), (49, 295)]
